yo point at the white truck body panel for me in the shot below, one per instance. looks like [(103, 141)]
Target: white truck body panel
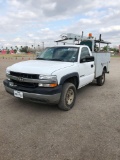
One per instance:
[(86, 72), (39, 66), (101, 60)]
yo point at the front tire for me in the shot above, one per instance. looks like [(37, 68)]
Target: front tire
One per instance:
[(68, 97), (101, 79)]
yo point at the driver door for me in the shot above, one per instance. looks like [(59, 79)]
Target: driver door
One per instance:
[(86, 69)]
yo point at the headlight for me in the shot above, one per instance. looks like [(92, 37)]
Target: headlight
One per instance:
[(7, 74), (48, 81), (47, 77), (7, 71), (47, 85)]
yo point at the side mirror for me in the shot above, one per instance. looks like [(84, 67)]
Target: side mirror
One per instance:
[(83, 60), (87, 59)]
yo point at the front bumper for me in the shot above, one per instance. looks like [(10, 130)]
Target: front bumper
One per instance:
[(42, 95)]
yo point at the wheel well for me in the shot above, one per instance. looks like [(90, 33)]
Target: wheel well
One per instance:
[(73, 80), (105, 69)]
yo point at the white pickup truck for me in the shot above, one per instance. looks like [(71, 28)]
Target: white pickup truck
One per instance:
[(56, 74)]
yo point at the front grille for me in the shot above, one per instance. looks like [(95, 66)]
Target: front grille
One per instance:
[(25, 84), (24, 75)]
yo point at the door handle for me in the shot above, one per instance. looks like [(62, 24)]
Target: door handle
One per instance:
[(91, 65)]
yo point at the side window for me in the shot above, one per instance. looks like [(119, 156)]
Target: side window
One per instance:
[(84, 53)]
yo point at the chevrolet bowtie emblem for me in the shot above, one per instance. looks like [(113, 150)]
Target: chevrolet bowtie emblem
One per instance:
[(20, 79)]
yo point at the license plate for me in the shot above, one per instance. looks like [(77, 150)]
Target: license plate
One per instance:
[(18, 94)]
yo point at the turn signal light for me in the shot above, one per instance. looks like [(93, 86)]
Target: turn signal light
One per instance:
[(47, 85), (53, 85)]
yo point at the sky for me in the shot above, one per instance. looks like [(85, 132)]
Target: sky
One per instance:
[(31, 22)]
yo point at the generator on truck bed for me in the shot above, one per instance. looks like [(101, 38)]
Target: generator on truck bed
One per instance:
[(55, 75)]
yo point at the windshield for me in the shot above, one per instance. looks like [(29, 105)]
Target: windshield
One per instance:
[(65, 54)]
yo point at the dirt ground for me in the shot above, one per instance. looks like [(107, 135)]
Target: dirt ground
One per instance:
[(90, 131)]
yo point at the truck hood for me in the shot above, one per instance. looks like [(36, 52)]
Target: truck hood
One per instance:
[(39, 66)]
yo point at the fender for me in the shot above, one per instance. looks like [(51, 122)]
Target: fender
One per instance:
[(67, 76)]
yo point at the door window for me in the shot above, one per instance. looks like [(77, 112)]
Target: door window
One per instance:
[(84, 53)]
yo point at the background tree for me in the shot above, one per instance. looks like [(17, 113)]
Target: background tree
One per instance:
[(7, 50), (115, 50), (105, 48), (24, 49)]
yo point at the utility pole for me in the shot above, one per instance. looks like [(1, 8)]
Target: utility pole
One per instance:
[(38, 47), (43, 45)]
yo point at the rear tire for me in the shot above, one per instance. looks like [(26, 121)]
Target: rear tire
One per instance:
[(68, 97), (101, 79)]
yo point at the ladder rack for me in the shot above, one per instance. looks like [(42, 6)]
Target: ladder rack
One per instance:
[(71, 38), (76, 37)]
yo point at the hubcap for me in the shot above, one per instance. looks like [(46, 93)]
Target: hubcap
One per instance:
[(70, 96)]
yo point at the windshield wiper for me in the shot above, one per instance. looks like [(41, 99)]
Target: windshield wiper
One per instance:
[(41, 58), (55, 59), (49, 59)]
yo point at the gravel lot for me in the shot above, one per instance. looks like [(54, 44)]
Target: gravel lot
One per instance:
[(90, 131)]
